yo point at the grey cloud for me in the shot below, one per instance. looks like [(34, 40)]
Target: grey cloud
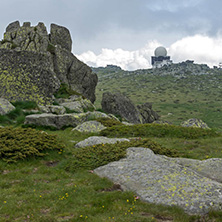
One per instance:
[(100, 23)]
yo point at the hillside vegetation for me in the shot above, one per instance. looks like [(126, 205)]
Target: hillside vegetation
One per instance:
[(177, 94)]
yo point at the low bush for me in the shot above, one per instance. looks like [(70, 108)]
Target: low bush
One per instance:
[(158, 130), (19, 143), (25, 104), (98, 155), (108, 122), (17, 116), (65, 92)]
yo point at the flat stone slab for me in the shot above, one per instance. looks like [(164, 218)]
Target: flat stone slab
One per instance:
[(169, 181), (94, 140), (57, 121)]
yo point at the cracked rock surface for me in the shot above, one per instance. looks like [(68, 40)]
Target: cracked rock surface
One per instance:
[(189, 184)]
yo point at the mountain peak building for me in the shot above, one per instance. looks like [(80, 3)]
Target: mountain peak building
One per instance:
[(160, 59)]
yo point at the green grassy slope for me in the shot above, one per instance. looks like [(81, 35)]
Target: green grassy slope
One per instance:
[(176, 98)]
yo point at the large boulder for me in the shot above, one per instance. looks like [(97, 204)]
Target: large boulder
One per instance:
[(118, 104), (94, 140), (46, 53), (147, 113), (5, 106), (56, 121), (169, 181)]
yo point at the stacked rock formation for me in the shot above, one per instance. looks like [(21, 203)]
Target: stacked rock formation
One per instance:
[(34, 63)]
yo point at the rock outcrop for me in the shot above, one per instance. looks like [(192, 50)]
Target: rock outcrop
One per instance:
[(158, 179), (38, 62), (118, 104)]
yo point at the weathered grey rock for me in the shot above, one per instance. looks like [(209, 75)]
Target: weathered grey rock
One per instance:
[(60, 35), (90, 127), (26, 37), (13, 26), (27, 76), (79, 105), (52, 109), (5, 106), (96, 115), (55, 48), (210, 168), (74, 106), (118, 104), (62, 62), (81, 79), (57, 121), (147, 113), (161, 180), (94, 140), (87, 104), (195, 123)]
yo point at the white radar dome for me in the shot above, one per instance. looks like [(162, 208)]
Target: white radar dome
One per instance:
[(160, 51)]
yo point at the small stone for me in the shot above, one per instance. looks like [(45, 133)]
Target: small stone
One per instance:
[(90, 127)]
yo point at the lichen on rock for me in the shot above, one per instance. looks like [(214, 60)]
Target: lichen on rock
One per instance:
[(30, 57)]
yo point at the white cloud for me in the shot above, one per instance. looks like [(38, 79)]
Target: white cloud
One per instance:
[(201, 49)]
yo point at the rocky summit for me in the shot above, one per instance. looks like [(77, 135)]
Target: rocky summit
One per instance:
[(34, 63)]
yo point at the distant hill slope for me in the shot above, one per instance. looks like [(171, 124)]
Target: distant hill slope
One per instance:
[(178, 92)]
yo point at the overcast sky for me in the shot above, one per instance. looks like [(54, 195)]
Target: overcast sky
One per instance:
[(126, 32)]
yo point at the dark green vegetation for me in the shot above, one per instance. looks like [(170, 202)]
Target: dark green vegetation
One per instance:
[(159, 130), (102, 154), (17, 116), (65, 92), (109, 122), (19, 144), (175, 97)]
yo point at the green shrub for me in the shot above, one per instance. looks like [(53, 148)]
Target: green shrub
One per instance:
[(108, 122), (25, 104), (65, 92), (158, 130), (94, 156), (19, 143), (17, 116)]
